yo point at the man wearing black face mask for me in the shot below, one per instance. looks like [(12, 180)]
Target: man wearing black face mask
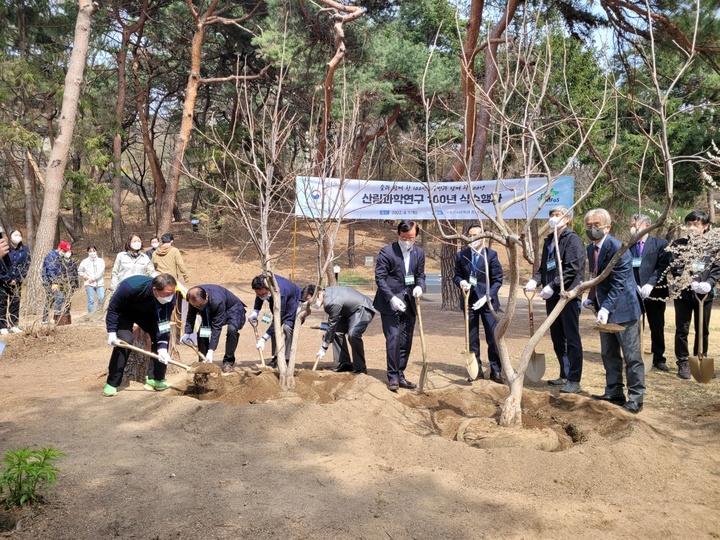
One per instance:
[(149, 303), (349, 314), (615, 300)]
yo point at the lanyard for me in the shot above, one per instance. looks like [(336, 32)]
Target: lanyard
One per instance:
[(158, 307)]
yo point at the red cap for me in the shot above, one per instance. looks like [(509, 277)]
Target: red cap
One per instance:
[(65, 246)]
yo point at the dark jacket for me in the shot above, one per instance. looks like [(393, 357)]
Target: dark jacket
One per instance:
[(572, 254), (52, 268), (708, 271), (342, 302), (134, 300), (654, 261), (289, 298), (390, 277), (222, 308), (618, 292), (19, 265), (464, 269)]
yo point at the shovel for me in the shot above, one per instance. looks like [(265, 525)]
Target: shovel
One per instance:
[(201, 356), (423, 371), (647, 357), (126, 345), (702, 368), (536, 366), (467, 355), (257, 338)]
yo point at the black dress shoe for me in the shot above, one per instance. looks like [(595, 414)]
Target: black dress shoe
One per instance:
[(407, 384), (633, 407), (497, 377), (480, 375), (393, 386), (340, 368), (272, 363), (358, 371), (616, 400), (661, 366)]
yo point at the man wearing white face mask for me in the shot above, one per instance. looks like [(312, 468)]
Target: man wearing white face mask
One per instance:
[(58, 279), (569, 257), (349, 314), (478, 270), (400, 278), (149, 303)]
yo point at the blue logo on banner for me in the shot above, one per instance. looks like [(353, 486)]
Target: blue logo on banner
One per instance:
[(315, 194), (384, 212)]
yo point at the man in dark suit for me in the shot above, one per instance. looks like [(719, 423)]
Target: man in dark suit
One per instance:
[(400, 278), (478, 270), (349, 314), (616, 301), (289, 298), (650, 261), (217, 307), (568, 256)]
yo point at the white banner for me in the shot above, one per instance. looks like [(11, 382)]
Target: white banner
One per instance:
[(375, 199)]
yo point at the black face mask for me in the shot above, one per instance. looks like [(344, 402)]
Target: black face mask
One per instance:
[(595, 233)]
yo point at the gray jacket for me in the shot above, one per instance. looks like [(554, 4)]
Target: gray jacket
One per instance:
[(342, 302)]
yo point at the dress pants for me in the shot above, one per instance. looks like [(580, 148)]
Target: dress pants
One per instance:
[(352, 329), (288, 332), (488, 321), (565, 335), (9, 305), (655, 313), (611, 345), (231, 341), (398, 329), (120, 355), (685, 311)]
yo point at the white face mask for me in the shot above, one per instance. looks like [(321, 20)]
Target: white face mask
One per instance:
[(136, 246), (554, 222), (476, 245), (155, 245), (165, 299), (317, 305), (633, 230), (67, 254), (406, 245), (16, 238), (267, 297), (92, 255)]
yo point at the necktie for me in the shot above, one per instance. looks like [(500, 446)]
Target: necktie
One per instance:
[(475, 261), (593, 290), (641, 245)]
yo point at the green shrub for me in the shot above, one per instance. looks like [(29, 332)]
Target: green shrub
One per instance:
[(25, 473)]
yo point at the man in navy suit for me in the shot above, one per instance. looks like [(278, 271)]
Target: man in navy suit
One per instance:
[(289, 298), (615, 300), (400, 279), (217, 307), (569, 257), (650, 261), (478, 270)]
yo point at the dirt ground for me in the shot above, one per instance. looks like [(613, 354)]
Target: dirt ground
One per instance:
[(345, 458)]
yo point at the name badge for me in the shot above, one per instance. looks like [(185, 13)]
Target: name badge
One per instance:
[(636, 262), (266, 318), (473, 280), (409, 279), (204, 332), (551, 264), (323, 326), (163, 327), (698, 266)]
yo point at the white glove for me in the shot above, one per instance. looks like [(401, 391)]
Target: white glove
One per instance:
[(188, 338), (260, 344), (602, 316), (164, 356), (321, 353), (209, 356), (589, 304), (112, 339), (700, 287), (252, 319), (531, 285), (417, 291), (547, 292), (465, 286), (397, 305), (645, 291), (480, 303)]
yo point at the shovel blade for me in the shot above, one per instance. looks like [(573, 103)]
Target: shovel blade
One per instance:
[(471, 364), (647, 359), (536, 367), (702, 368)]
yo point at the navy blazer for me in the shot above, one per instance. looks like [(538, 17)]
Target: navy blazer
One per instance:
[(222, 308), (653, 264), (289, 298), (618, 292), (464, 269), (390, 277)]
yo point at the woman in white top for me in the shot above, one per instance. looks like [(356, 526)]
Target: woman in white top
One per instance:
[(92, 270), (131, 262)]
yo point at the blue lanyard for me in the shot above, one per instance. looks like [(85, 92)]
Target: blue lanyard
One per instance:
[(158, 310), (207, 314)]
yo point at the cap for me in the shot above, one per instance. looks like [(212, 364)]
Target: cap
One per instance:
[(65, 246)]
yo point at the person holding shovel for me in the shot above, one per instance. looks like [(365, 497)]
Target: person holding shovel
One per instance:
[(289, 298), (149, 303), (478, 270), (615, 300), (562, 261), (217, 307), (349, 314)]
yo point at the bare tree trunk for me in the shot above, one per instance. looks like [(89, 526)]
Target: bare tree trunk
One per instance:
[(448, 251), (351, 245), (711, 204), (55, 172)]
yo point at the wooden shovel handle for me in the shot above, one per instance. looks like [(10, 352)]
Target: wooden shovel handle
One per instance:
[(125, 345), (257, 338)]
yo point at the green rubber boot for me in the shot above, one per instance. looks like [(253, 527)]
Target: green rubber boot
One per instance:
[(109, 391), (153, 384)]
